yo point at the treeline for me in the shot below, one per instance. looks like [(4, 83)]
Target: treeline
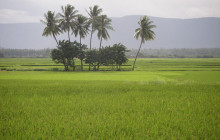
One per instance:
[(145, 53), (176, 53), (24, 53)]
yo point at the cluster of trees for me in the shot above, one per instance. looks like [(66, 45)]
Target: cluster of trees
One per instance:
[(67, 52), (71, 22), (76, 24)]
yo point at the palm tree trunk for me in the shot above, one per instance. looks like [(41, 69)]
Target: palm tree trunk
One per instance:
[(69, 35), (90, 47), (65, 65), (98, 67), (55, 39), (74, 68), (100, 43), (81, 65), (137, 55), (80, 41), (80, 38), (90, 44), (99, 50)]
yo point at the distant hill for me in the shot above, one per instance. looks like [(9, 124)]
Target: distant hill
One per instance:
[(170, 33)]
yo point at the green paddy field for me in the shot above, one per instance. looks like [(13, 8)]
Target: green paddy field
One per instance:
[(161, 99)]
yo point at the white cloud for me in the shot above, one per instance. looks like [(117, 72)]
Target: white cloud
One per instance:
[(33, 10), (196, 12), (12, 16)]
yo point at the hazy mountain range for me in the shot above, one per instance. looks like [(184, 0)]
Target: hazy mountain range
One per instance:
[(170, 33)]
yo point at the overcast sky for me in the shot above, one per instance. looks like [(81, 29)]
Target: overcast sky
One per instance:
[(20, 11)]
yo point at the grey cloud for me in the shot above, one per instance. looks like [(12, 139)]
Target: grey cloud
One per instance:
[(33, 9)]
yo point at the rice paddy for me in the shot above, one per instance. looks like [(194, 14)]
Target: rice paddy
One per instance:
[(161, 99)]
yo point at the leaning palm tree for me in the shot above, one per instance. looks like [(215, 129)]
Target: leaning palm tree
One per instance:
[(103, 24), (67, 16), (52, 28), (93, 13), (144, 32)]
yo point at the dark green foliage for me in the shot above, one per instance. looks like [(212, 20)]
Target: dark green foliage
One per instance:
[(107, 56), (65, 53), (81, 54), (119, 54), (92, 58)]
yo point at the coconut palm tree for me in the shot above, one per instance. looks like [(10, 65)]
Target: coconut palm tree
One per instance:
[(81, 28), (67, 16), (144, 32), (52, 28), (103, 24), (93, 13)]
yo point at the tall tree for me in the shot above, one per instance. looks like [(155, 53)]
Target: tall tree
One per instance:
[(52, 28), (93, 13), (92, 58), (103, 24), (119, 54), (81, 28), (144, 32), (67, 16), (65, 53)]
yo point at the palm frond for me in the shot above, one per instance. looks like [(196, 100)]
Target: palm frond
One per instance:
[(80, 26), (67, 16), (51, 20), (145, 31)]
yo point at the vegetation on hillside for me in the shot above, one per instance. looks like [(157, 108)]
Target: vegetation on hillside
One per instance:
[(144, 53)]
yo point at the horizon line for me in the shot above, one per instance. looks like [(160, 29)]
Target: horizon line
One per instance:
[(120, 17)]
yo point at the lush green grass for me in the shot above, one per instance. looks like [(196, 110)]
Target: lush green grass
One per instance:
[(163, 99), (153, 64)]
